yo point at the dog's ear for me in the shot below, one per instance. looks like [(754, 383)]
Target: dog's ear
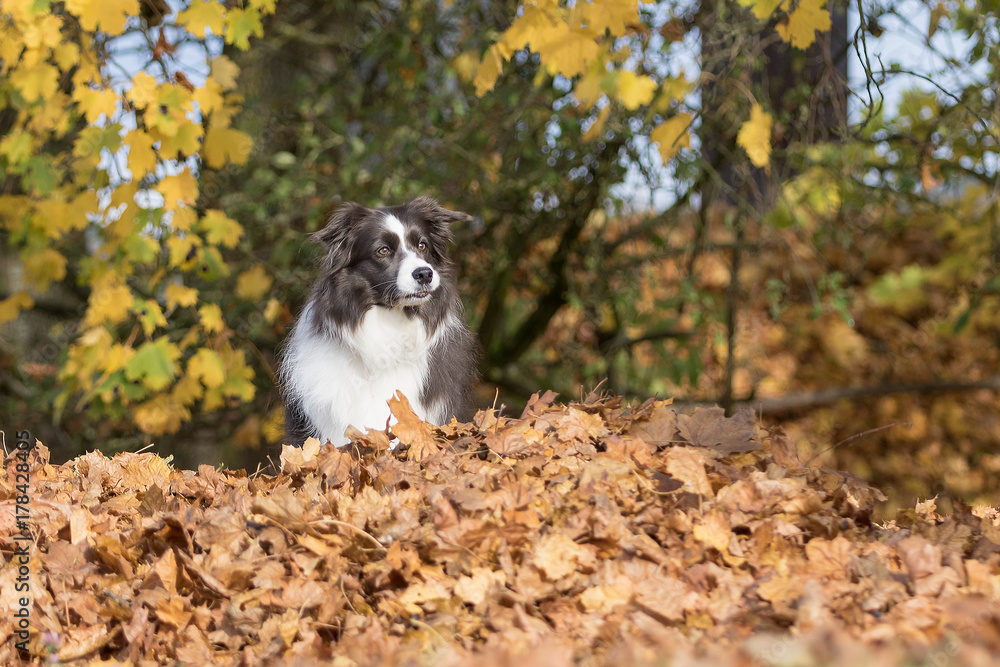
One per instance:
[(433, 212), (336, 235), (439, 217)]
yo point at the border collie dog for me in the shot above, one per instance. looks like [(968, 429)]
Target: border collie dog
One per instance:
[(384, 316)]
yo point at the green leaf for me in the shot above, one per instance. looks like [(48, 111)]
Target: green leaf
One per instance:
[(93, 139), (41, 177), (901, 291), (141, 249), (154, 364), (242, 24)]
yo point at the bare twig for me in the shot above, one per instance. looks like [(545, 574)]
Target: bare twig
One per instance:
[(855, 437)]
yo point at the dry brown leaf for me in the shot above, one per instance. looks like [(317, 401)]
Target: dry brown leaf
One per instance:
[(710, 428), (411, 431), (686, 465), (537, 404), (518, 439), (659, 428), (557, 556), (829, 558), (475, 588), (713, 531), (295, 458), (174, 611)]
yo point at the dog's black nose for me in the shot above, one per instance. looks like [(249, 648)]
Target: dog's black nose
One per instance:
[(423, 275)]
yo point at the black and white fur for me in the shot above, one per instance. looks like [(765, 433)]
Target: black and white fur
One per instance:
[(384, 316)]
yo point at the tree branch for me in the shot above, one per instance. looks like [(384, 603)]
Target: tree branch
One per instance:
[(800, 401)]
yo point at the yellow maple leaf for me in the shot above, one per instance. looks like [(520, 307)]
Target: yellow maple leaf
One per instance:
[(44, 267), (125, 224), (611, 15), (37, 83), (564, 50), (238, 384), (672, 135), (202, 15), (41, 33), (116, 357), (755, 137), (803, 22), (59, 217), (220, 229), (105, 15), (53, 117), (634, 90), (187, 390), (66, 55), (206, 365), (184, 219), (160, 415), (184, 141), (224, 71), (149, 315), (144, 90), (87, 70), (142, 157), (224, 144), (241, 24), (211, 318), (533, 18), (14, 304), (253, 283), (40, 36), (209, 97), (182, 249), (110, 302), (762, 8), (17, 146), (169, 113), (10, 44), (178, 295), (93, 103), (13, 208), (488, 71), (178, 190)]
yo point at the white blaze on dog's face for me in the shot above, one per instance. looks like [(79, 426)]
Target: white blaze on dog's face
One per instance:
[(393, 257), (416, 279)]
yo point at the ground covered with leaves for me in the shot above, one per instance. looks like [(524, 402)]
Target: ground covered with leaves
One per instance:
[(591, 533)]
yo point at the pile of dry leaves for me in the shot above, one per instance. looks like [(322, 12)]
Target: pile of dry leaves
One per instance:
[(591, 533)]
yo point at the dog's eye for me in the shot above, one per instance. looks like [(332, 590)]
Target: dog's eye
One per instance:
[(383, 251), (422, 245)]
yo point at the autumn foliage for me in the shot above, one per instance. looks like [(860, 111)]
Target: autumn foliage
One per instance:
[(578, 41), (589, 533), (101, 155)]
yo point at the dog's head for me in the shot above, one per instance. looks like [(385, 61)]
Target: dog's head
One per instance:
[(395, 256)]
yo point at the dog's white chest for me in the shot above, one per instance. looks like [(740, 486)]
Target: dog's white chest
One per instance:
[(388, 339), (349, 381)]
